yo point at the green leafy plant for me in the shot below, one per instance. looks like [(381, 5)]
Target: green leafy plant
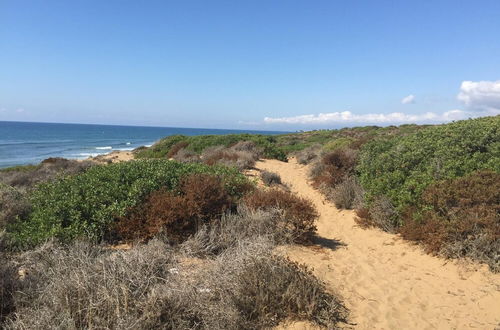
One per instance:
[(85, 204), (401, 167)]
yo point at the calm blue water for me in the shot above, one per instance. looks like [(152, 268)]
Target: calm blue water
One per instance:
[(29, 143)]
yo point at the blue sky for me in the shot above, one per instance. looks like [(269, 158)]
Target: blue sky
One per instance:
[(249, 64)]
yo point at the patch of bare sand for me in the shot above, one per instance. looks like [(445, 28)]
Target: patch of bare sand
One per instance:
[(388, 283), (114, 157)]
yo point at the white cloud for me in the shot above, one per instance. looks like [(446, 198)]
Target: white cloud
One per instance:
[(20, 110), (408, 99), (373, 118), (481, 95)]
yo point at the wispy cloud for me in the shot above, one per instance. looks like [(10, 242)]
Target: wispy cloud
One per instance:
[(408, 99), (372, 118)]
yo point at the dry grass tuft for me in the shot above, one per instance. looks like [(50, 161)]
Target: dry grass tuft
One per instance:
[(270, 178), (229, 157), (186, 156), (348, 194), (234, 228), (298, 214), (148, 287), (309, 154)]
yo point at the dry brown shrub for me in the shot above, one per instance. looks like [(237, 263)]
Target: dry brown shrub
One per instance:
[(348, 194), (383, 214), (234, 228), (333, 167), (273, 288), (248, 146), (363, 218), (9, 283), (270, 178), (25, 177), (299, 213), (186, 156), (201, 199), (176, 147), (207, 194), (461, 218), (307, 155), (13, 203), (229, 157), (149, 287)]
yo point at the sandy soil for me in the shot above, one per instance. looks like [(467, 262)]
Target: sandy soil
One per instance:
[(385, 282), (114, 157)]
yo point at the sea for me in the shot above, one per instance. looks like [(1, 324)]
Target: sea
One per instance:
[(23, 143)]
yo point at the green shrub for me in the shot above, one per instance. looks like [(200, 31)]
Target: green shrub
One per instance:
[(339, 143), (267, 143), (85, 204), (401, 167)]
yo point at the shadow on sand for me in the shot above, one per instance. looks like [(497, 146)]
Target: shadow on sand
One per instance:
[(327, 243)]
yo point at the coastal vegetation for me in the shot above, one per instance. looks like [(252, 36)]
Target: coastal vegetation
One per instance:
[(201, 241), (200, 235), (424, 184)]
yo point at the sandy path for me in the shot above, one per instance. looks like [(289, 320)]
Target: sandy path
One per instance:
[(385, 282)]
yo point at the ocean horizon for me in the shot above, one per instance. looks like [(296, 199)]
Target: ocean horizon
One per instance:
[(23, 143)]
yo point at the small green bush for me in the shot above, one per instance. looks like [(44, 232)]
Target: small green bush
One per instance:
[(85, 204)]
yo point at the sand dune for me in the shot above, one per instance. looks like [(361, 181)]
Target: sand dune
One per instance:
[(385, 282)]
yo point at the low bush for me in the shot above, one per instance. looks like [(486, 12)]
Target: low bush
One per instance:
[(383, 214), (309, 154), (270, 178), (26, 177), (266, 145), (152, 287), (199, 199), (348, 194), (459, 218), (186, 156), (248, 146), (229, 157), (236, 227), (269, 289), (86, 204), (13, 204), (176, 147), (333, 167), (338, 143), (298, 214)]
